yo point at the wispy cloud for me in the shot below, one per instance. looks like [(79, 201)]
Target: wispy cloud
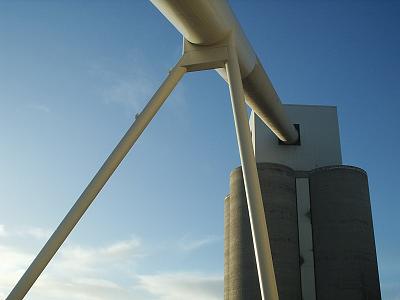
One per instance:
[(190, 244), (38, 107), (130, 92), (13, 263), (132, 85), (2, 230), (177, 286), (109, 271), (34, 232), (95, 260), (389, 269), (91, 272), (77, 272)]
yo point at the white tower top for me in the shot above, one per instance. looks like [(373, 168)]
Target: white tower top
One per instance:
[(319, 139)]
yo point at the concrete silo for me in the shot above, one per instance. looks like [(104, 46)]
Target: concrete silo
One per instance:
[(278, 185), (318, 215), (344, 247)]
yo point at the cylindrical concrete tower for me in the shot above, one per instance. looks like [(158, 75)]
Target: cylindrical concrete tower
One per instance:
[(279, 195), (344, 248), (318, 215), (226, 246)]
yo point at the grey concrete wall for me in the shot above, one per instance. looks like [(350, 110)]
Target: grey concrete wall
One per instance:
[(243, 280), (345, 265), (278, 189), (226, 246), (344, 247)]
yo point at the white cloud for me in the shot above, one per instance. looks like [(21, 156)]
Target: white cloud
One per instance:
[(35, 232), (99, 260), (177, 286), (38, 107), (25, 232), (188, 244), (78, 288), (130, 86), (13, 263), (134, 84), (75, 273), (2, 230), (131, 92), (97, 273)]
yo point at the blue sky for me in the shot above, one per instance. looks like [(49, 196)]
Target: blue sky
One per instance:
[(74, 73)]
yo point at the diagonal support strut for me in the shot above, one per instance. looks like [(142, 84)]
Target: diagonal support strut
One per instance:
[(195, 58), (262, 249), (95, 186)]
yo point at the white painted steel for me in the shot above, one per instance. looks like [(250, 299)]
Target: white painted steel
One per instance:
[(94, 187), (262, 249), (319, 135), (207, 22)]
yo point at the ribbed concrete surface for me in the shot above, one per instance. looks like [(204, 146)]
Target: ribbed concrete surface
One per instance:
[(344, 247), (226, 246), (279, 195)]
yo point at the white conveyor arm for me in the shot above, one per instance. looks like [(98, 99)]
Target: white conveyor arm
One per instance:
[(206, 22)]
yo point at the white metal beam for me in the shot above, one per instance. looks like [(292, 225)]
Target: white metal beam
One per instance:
[(94, 187), (207, 23), (262, 249)]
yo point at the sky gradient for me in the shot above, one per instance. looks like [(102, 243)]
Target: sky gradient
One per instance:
[(73, 74)]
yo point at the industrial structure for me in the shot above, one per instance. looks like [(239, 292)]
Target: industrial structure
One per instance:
[(279, 261), (318, 215)]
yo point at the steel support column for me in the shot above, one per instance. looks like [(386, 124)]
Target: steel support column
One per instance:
[(95, 186), (258, 223)]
